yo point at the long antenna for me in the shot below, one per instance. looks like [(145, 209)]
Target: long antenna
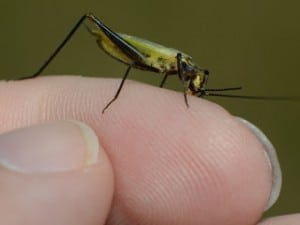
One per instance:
[(222, 89), (275, 98), (212, 92)]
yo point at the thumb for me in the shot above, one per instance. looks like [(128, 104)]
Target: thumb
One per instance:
[(54, 173)]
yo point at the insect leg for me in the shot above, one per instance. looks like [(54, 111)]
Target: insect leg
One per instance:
[(206, 74), (181, 77), (163, 81), (57, 50), (119, 89)]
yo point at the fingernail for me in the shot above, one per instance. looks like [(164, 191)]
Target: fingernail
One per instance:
[(52, 147), (272, 158)]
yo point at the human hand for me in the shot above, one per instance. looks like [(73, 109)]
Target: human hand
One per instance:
[(171, 165)]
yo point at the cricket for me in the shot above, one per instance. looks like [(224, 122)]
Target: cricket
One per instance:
[(145, 55)]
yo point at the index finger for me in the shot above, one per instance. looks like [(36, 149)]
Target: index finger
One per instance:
[(172, 165)]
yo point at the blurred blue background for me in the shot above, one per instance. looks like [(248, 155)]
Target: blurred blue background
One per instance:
[(252, 43)]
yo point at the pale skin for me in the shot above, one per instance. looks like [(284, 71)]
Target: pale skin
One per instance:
[(163, 163)]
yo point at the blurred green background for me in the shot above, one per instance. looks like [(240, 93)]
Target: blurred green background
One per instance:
[(252, 43)]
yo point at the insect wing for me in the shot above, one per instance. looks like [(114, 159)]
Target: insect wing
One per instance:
[(127, 48)]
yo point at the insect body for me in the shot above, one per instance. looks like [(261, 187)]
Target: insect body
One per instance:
[(157, 58), (145, 55)]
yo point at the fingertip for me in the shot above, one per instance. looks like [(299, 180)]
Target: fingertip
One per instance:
[(271, 160), (292, 219)]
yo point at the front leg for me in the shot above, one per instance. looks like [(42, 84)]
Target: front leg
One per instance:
[(182, 78)]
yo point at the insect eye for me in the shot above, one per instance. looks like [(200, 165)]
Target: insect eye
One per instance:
[(206, 72)]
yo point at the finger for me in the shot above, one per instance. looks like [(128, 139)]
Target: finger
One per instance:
[(54, 173), (292, 219), (173, 165)]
